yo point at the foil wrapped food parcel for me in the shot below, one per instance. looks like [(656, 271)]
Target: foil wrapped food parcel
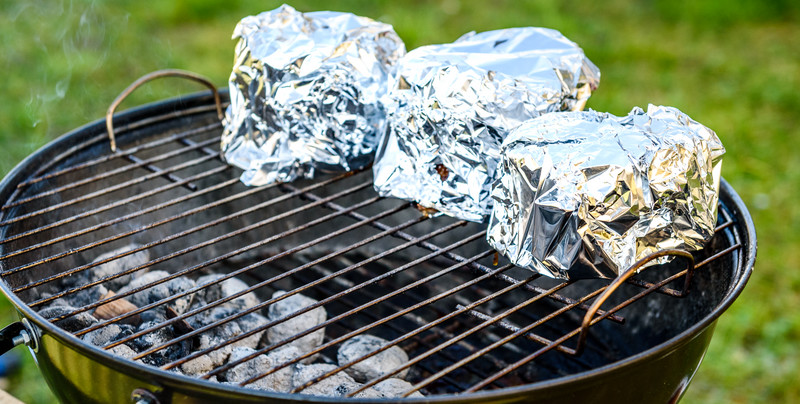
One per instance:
[(306, 93), (453, 104), (587, 194)]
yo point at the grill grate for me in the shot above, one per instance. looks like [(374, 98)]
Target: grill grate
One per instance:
[(427, 284)]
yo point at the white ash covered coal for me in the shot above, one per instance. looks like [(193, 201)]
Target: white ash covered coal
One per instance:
[(341, 384), (156, 338), (279, 381), (161, 291), (394, 387), (72, 323), (220, 324), (82, 298), (337, 385), (375, 366), (226, 288), (118, 265), (108, 334), (221, 333), (201, 365), (296, 324), (125, 352), (108, 269)]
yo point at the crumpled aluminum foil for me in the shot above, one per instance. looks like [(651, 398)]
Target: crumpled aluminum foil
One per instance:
[(587, 194), (453, 105), (306, 93)]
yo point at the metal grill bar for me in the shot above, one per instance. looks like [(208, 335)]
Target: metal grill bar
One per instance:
[(108, 157), (461, 310), (152, 168), (121, 202), (346, 326), (444, 332), (727, 222), (554, 296), (108, 190), (306, 309), (496, 320), (439, 331), (598, 346), (159, 223), (190, 142), (239, 272), (138, 163), (564, 338), (476, 266), (179, 253), (358, 309), (557, 343)]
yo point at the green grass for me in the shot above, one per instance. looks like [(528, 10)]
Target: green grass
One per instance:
[(732, 67)]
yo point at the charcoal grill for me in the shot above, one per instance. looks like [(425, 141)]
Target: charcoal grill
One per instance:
[(476, 328)]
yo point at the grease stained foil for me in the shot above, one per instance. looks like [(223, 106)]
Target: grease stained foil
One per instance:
[(587, 194), (453, 105), (306, 93)]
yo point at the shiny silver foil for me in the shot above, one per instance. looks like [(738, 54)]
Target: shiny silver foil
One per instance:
[(453, 105), (587, 194), (306, 93)]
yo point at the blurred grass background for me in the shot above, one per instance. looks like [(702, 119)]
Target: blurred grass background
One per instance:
[(734, 66)]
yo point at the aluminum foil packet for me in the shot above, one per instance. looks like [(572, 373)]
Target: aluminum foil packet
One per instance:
[(587, 194), (453, 105), (306, 93)]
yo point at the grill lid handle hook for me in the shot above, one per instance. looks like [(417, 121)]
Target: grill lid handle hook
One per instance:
[(151, 76), (589, 319)]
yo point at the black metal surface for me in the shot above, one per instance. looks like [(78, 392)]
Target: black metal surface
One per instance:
[(673, 358), (8, 334)]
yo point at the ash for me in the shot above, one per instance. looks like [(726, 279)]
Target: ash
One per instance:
[(264, 337)]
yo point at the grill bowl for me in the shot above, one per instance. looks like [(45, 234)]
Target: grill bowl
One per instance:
[(656, 352)]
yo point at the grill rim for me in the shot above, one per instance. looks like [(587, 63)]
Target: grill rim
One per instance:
[(203, 102)]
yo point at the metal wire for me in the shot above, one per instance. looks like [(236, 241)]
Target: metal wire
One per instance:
[(175, 254), (358, 309), (474, 265), (108, 157), (441, 332), (108, 190), (238, 272), (118, 203), (311, 307), (138, 163)]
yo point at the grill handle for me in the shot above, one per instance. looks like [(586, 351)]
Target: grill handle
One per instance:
[(624, 276), (17, 333), (149, 77)]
